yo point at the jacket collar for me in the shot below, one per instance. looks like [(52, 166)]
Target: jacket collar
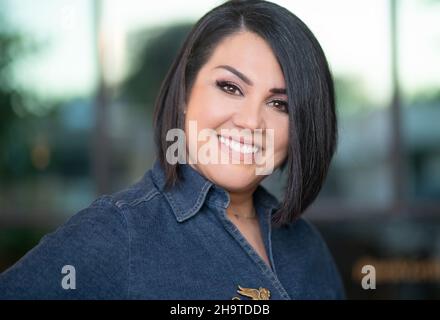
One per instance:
[(189, 194)]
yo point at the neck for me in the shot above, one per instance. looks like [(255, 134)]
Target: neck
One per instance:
[(241, 203)]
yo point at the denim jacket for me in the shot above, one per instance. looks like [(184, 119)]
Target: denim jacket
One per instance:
[(150, 243)]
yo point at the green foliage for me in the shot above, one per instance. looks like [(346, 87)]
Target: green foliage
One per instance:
[(158, 53), (14, 119)]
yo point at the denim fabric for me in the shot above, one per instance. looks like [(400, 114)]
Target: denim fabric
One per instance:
[(149, 243)]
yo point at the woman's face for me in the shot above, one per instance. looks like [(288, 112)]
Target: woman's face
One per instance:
[(233, 96)]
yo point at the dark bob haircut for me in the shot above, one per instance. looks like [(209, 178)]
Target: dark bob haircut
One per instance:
[(309, 86)]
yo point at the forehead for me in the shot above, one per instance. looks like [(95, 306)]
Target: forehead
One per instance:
[(251, 55)]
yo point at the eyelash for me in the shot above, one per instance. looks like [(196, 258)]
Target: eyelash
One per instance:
[(221, 84)]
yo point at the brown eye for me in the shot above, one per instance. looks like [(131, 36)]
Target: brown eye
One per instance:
[(229, 88), (280, 105)]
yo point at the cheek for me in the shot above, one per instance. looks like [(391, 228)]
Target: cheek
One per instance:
[(207, 107)]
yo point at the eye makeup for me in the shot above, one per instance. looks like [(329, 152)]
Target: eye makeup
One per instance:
[(231, 88)]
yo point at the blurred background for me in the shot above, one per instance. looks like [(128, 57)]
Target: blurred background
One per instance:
[(78, 79)]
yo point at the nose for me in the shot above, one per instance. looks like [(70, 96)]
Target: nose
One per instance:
[(249, 116)]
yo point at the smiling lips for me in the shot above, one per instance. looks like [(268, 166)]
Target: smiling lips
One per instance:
[(240, 147)]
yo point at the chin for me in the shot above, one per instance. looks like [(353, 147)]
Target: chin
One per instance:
[(232, 177)]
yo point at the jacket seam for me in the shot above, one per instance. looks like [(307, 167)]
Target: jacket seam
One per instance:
[(119, 210), (135, 202)]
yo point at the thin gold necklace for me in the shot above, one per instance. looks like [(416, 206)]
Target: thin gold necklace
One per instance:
[(236, 214)]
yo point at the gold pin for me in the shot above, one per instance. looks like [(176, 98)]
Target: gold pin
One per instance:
[(254, 294)]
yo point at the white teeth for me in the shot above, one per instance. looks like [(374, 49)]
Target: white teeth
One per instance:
[(238, 147)]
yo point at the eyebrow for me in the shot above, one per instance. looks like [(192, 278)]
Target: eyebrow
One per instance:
[(247, 80)]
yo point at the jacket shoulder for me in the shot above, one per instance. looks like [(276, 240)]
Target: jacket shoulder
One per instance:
[(93, 245), (142, 191)]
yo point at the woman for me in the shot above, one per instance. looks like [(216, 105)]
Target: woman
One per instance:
[(254, 77)]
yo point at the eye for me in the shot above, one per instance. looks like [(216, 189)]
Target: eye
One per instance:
[(280, 105), (229, 88)]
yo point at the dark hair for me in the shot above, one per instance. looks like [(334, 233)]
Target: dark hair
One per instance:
[(309, 86)]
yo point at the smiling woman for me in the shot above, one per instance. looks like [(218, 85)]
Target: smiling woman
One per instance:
[(240, 97), (254, 77)]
